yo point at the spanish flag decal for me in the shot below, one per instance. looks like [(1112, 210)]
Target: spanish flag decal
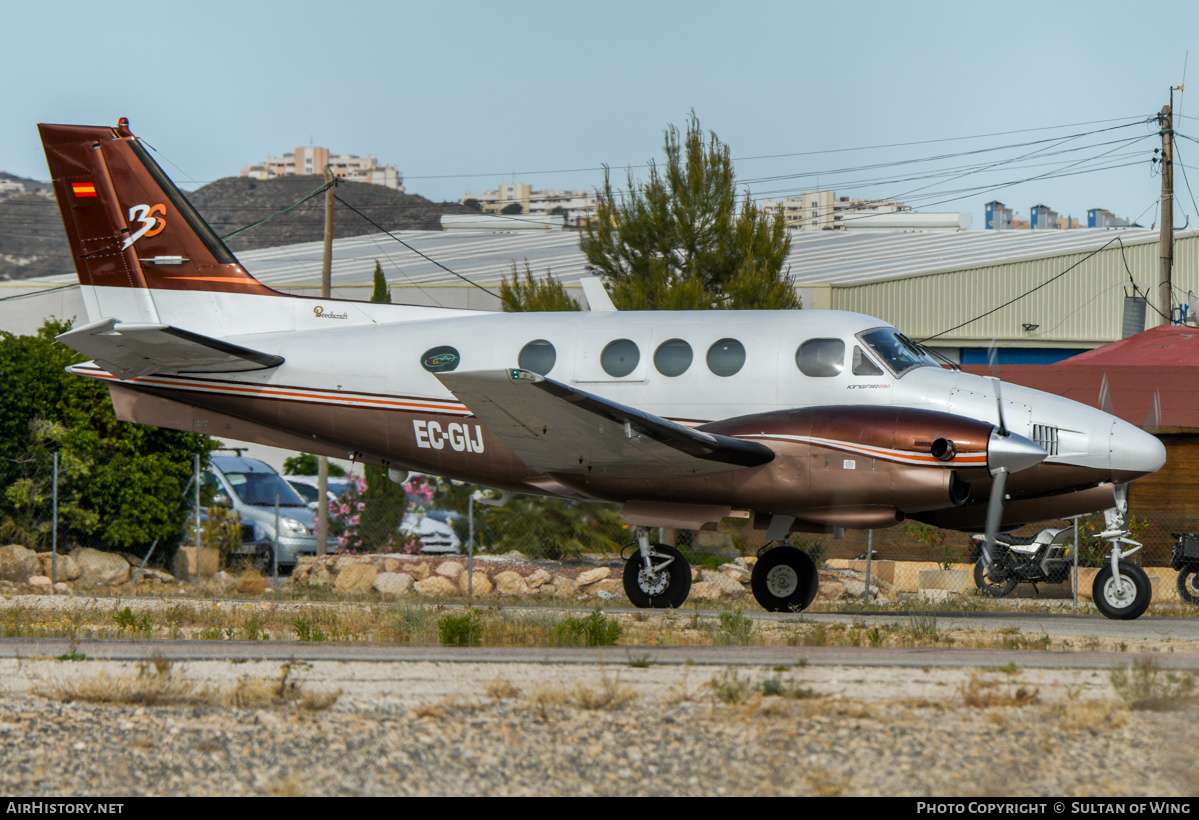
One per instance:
[(83, 188)]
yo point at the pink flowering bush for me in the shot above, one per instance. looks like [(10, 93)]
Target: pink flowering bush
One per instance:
[(366, 519)]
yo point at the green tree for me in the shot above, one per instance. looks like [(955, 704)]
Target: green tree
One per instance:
[(381, 293), (680, 241), (513, 209), (307, 464), (531, 295), (120, 485)]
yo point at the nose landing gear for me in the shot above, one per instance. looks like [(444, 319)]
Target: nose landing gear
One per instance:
[(657, 576)]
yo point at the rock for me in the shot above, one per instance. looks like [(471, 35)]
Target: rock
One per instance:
[(98, 567), (222, 583), (355, 579), (436, 586), (607, 589), (391, 565), (392, 583), (562, 587), (450, 569), (482, 584), (68, 568), (420, 571), (318, 576), (722, 582), (41, 584), (737, 573), (592, 575), (538, 578), (703, 591), (18, 563), (63, 588), (509, 582), (151, 575)]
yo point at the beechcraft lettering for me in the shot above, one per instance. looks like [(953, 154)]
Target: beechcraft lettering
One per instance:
[(429, 435)]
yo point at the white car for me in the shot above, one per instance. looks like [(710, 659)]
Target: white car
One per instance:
[(434, 536), (306, 486)]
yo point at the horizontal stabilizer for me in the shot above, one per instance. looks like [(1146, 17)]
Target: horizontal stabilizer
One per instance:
[(554, 428), (129, 350)]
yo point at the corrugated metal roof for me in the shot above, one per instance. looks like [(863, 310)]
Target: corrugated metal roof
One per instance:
[(817, 257)]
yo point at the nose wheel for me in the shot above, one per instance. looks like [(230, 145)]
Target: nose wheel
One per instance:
[(1124, 598), (784, 580)]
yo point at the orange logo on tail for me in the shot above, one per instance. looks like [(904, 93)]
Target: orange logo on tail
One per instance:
[(151, 225)]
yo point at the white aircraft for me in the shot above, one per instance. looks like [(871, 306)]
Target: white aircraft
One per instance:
[(805, 420)]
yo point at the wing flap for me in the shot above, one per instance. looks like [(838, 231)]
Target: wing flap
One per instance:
[(129, 350), (558, 429)]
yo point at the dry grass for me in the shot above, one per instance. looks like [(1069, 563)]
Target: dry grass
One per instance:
[(500, 688), (979, 692), (158, 684), (610, 695)]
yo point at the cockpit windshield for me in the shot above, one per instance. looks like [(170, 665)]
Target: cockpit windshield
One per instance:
[(898, 352)]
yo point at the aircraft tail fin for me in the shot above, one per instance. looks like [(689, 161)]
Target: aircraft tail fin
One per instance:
[(132, 232)]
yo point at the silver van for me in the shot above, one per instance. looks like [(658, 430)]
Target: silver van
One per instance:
[(250, 488)]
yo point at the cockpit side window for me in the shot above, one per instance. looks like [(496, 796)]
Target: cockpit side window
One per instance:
[(821, 357), (897, 352), (863, 365)]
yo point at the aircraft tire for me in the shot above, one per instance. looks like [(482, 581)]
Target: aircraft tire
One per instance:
[(1000, 588), (1124, 604), (667, 589), (784, 580), (1188, 585)]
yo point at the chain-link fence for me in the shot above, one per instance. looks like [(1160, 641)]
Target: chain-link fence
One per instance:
[(45, 508)]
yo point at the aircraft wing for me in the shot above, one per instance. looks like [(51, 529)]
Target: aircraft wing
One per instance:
[(554, 428), (128, 350)]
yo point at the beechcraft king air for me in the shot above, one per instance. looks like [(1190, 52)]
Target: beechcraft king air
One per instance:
[(806, 420)]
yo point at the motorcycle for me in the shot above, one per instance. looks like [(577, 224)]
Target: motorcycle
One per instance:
[(1045, 558), (1185, 558)]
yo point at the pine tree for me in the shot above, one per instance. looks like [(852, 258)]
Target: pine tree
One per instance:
[(381, 293), (680, 241)]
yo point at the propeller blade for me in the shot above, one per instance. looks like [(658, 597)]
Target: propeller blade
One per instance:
[(994, 513), (992, 357), (1105, 397), (1153, 418)]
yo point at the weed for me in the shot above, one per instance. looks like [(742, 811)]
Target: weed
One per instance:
[(71, 655), (735, 629), (595, 629), (126, 620), (1145, 686), (921, 629), (610, 696), (731, 688), (306, 630), (460, 630), (777, 687), (640, 661), (211, 634)]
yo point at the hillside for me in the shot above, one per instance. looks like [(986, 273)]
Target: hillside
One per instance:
[(32, 241)]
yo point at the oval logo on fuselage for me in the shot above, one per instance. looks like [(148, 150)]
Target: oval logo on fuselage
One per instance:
[(440, 359)]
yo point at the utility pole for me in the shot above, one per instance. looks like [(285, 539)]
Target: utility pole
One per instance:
[(1166, 238), (322, 472)]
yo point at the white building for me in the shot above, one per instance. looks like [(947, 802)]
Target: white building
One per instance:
[(312, 161), (575, 207)]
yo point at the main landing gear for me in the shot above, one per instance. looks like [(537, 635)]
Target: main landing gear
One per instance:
[(657, 576), (784, 579)]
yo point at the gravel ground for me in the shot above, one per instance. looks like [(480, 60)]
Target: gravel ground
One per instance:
[(550, 729)]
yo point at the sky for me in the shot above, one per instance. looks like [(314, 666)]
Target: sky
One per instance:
[(946, 105)]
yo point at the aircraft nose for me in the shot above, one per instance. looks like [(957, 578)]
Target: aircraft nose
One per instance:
[(1134, 452)]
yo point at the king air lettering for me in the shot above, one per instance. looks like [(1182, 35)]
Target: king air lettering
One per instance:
[(430, 436)]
